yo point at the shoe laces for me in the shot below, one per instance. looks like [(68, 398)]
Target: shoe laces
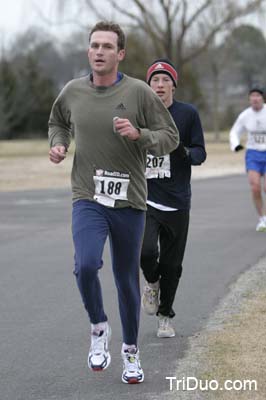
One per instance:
[(150, 294), (131, 360), (98, 342), (164, 322)]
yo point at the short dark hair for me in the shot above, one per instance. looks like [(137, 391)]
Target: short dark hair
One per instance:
[(257, 88), (109, 26)]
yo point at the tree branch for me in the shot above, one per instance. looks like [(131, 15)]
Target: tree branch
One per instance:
[(98, 14), (232, 15)]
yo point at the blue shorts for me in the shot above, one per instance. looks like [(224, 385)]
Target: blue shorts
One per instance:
[(256, 161)]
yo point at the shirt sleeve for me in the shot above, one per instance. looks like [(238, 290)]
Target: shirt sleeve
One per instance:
[(236, 131), (59, 124), (197, 152)]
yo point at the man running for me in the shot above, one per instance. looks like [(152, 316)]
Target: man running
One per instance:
[(169, 196), (253, 122), (115, 120)]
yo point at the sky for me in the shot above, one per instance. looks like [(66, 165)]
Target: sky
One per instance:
[(17, 15)]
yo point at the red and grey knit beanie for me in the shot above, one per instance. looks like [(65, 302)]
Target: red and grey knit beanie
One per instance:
[(162, 66)]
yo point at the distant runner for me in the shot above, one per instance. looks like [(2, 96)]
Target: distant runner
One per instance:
[(253, 122)]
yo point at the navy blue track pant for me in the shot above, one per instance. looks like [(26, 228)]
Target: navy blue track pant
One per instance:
[(91, 224)]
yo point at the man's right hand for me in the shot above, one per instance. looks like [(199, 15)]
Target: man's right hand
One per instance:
[(239, 147), (57, 154)]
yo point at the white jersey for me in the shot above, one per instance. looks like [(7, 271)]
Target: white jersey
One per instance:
[(254, 124)]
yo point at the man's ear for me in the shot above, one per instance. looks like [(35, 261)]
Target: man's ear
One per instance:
[(121, 54)]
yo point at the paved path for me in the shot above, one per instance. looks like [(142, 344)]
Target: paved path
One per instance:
[(43, 327)]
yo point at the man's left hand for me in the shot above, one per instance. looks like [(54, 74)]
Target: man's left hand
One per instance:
[(182, 152), (124, 128)]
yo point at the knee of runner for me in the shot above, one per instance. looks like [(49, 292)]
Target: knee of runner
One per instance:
[(148, 253), (256, 189), (88, 267)]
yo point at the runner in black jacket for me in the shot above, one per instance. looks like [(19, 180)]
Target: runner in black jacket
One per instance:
[(169, 200)]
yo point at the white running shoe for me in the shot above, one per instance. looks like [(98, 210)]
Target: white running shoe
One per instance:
[(165, 327), (132, 371), (150, 299), (261, 226), (99, 357)]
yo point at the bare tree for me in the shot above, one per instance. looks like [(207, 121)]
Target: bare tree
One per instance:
[(178, 29)]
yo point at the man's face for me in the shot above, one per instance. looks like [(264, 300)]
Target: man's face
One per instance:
[(103, 52), (256, 100), (163, 86)]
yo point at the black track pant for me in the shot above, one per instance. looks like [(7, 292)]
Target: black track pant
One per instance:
[(163, 251)]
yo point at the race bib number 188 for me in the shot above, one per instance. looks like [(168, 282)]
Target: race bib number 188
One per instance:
[(110, 186)]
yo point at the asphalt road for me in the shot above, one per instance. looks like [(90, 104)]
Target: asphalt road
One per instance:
[(43, 328)]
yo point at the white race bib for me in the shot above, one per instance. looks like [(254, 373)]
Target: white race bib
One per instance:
[(259, 137), (110, 186), (158, 167)]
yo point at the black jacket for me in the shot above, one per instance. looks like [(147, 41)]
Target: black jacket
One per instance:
[(175, 192)]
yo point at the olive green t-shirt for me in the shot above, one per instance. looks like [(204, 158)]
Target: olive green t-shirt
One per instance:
[(108, 168)]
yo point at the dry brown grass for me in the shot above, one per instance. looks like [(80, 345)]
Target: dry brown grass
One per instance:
[(238, 351), (220, 161), (24, 165), (23, 148)]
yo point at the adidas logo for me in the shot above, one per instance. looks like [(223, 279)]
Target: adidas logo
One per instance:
[(120, 107), (159, 66)]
